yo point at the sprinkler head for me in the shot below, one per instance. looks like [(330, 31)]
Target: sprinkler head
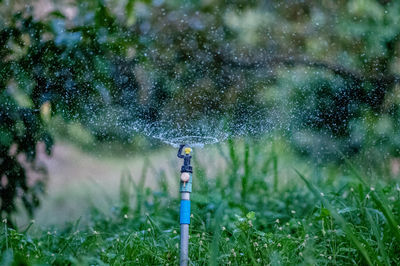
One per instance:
[(186, 167)]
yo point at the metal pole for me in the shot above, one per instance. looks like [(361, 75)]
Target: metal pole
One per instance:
[(185, 189), (185, 221)]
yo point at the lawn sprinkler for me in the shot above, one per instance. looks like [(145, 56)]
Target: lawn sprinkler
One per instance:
[(185, 189)]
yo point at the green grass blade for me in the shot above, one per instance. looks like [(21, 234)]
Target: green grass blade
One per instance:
[(383, 207), (246, 166), (214, 249), (275, 169), (234, 164), (339, 219), (388, 214), (381, 245)]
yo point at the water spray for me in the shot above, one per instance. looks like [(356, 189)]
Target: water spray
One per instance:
[(185, 189)]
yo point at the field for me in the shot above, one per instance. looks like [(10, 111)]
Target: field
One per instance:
[(251, 205)]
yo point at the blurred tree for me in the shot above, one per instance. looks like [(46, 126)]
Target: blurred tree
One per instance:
[(47, 70)]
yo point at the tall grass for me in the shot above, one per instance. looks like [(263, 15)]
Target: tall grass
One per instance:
[(240, 216)]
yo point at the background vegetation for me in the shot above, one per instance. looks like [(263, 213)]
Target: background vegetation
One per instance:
[(324, 76)]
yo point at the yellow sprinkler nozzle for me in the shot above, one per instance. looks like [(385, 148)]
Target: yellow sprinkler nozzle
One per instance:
[(188, 150)]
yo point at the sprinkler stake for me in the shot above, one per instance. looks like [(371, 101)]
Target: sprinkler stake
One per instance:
[(185, 190)]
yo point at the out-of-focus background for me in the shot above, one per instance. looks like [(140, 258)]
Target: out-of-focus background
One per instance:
[(92, 94)]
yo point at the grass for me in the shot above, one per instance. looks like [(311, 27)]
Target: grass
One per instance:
[(246, 215)]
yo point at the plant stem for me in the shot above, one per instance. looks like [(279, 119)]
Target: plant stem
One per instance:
[(275, 169), (6, 233)]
